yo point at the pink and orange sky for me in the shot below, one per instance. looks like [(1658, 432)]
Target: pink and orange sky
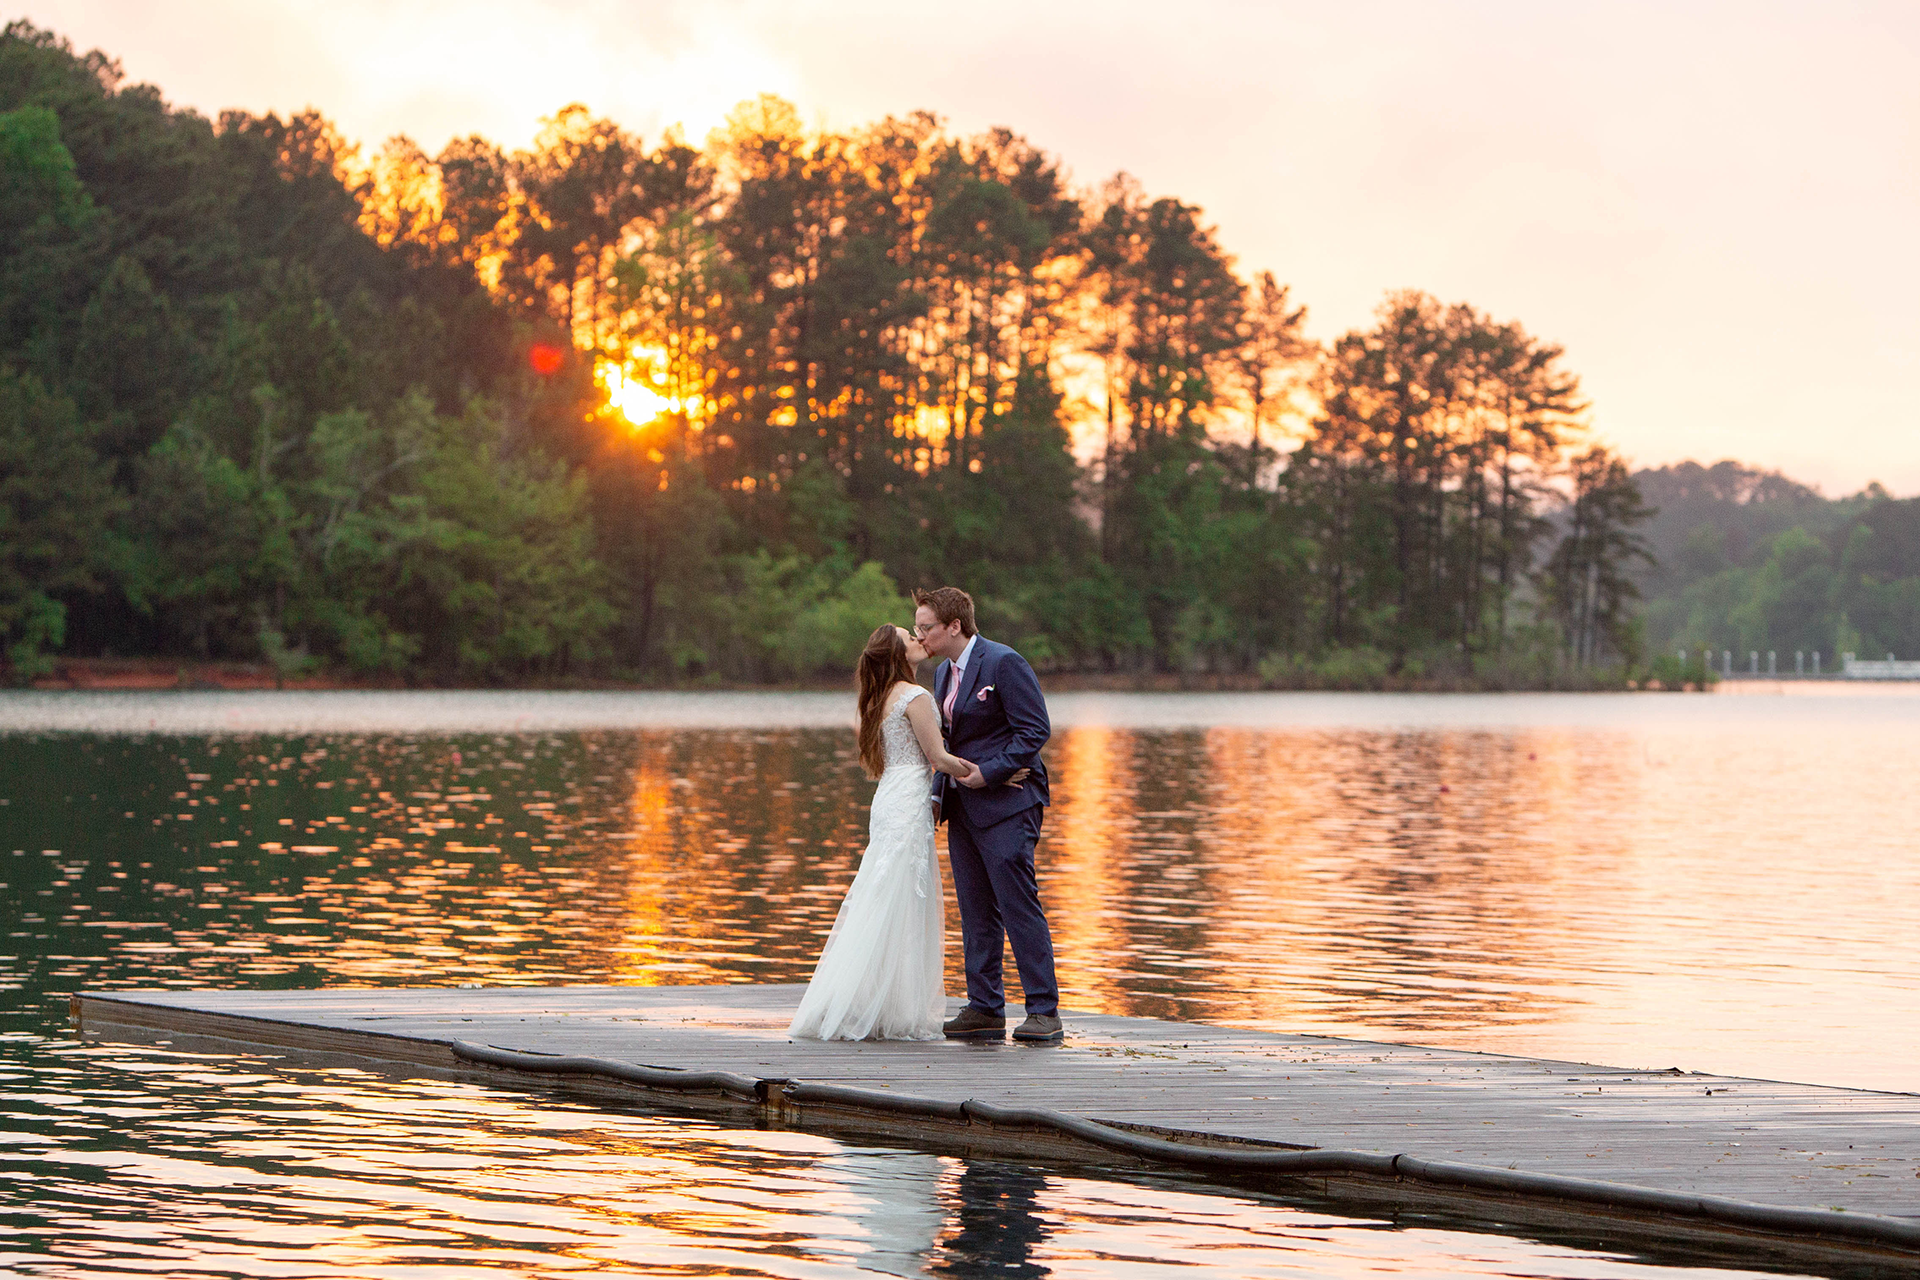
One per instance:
[(1715, 207)]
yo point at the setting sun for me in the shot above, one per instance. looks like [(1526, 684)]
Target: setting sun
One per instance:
[(633, 396)]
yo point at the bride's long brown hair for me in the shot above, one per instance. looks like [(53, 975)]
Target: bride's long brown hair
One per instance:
[(883, 664)]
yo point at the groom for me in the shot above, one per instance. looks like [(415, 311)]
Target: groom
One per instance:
[(993, 714)]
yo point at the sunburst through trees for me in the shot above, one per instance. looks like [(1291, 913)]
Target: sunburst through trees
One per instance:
[(659, 410)]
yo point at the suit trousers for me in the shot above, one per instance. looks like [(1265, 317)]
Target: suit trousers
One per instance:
[(993, 879)]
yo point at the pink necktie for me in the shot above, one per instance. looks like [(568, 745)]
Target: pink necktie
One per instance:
[(952, 692)]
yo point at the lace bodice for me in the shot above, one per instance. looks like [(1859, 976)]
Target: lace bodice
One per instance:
[(901, 749)]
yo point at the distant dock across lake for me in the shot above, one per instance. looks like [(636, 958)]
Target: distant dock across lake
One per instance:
[(1786, 1171), (1852, 670)]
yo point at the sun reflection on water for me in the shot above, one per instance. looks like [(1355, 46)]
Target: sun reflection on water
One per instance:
[(1711, 898), (1645, 898)]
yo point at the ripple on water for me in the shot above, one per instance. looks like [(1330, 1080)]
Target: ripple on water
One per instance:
[(1721, 889), (1693, 892), (140, 1161)]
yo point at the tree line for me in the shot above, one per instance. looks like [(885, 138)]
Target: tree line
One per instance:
[(601, 409), (1751, 561)]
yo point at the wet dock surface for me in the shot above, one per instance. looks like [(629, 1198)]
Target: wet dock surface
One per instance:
[(1771, 1143)]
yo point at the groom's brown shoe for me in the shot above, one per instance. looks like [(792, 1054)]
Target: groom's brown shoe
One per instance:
[(1041, 1028), (973, 1024)]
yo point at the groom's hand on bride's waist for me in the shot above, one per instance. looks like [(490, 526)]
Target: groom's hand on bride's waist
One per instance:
[(978, 780)]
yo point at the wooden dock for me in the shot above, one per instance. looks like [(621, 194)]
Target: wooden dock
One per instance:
[(1498, 1139)]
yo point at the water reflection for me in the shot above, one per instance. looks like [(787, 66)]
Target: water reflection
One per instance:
[(122, 1161), (998, 1226), (1705, 894)]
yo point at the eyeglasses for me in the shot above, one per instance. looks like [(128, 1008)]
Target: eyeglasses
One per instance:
[(921, 633)]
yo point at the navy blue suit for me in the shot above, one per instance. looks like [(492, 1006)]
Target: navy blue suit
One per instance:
[(1000, 723)]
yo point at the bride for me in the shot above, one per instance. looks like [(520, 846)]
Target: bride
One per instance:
[(879, 977)]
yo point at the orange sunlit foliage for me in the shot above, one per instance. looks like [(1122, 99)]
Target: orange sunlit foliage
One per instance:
[(545, 358), (402, 201)]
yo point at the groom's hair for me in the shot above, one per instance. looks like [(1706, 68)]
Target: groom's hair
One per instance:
[(949, 604)]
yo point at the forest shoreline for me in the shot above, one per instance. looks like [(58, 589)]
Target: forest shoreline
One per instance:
[(655, 412), (159, 674), (575, 416)]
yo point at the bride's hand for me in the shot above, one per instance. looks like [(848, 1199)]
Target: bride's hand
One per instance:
[(1017, 777)]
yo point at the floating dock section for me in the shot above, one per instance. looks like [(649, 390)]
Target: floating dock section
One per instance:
[(1786, 1171)]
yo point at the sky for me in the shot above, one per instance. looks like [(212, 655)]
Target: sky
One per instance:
[(1714, 207)]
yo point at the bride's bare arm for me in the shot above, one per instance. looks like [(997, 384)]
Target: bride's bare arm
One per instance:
[(926, 728)]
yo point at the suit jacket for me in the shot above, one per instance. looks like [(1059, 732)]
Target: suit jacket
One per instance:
[(1000, 723)]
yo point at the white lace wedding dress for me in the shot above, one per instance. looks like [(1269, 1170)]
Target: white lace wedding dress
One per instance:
[(880, 976)]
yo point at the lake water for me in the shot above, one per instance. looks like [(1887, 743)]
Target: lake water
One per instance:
[(1720, 883)]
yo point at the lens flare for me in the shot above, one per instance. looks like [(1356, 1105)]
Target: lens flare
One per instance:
[(545, 358)]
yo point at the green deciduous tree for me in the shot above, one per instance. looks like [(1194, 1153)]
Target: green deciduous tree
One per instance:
[(55, 500)]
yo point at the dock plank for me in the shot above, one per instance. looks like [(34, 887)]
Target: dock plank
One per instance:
[(1770, 1142)]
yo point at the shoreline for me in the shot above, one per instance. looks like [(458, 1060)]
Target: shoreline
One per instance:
[(156, 675)]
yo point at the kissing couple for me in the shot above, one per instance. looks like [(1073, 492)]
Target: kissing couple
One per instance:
[(979, 737)]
